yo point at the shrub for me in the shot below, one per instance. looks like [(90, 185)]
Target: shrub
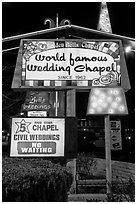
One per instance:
[(34, 179), (122, 191), (86, 166)]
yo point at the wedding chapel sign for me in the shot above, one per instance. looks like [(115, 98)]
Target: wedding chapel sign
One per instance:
[(37, 137), (43, 137), (70, 63)]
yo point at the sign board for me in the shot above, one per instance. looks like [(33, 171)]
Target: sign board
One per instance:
[(69, 63), (36, 100), (34, 137), (37, 113), (115, 132)]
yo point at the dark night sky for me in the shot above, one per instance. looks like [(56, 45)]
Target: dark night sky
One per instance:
[(24, 17)]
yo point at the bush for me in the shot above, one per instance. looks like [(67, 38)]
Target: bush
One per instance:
[(34, 179), (87, 166), (122, 191)]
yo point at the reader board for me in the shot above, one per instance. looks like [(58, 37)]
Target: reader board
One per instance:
[(42, 137)]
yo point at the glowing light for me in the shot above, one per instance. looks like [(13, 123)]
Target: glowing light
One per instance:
[(110, 92), (92, 111), (105, 11), (104, 105), (105, 24), (99, 109), (116, 92), (128, 49), (118, 99), (111, 111), (94, 105), (114, 105), (107, 101), (100, 101), (96, 91), (93, 98), (121, 108), (102, 95)]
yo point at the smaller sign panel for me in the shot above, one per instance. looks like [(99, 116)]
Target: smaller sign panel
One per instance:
[(116, 143), (37, 137), (36, 100), (37, 113)]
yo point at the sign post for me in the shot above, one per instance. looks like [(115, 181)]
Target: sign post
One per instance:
[(108, 153), (71, 163), (107, 101)]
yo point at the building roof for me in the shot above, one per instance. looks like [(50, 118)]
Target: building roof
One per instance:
[(66, 31)]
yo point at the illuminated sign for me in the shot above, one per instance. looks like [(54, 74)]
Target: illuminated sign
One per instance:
[(107, 101), (36, 100), (82, 63), (37, 137)]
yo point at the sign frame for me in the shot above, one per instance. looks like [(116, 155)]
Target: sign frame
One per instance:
[(70, 138), (115, 133), (17, 80)]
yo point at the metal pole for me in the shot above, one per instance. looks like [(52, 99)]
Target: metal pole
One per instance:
[(71, 112), (108, 153), (57, 20), (56, 103)]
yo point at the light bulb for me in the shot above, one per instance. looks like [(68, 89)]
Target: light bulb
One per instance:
[(121, 108), (93, 98), (110, 92), (97, 91), (109, 99), (94, 105), (102, 95), (105, 11), (100, 101), (99, 109), (92, 111), (128, 49), (104, 105), (116, 92), (111, 111), (118, 99), (114, 105)]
